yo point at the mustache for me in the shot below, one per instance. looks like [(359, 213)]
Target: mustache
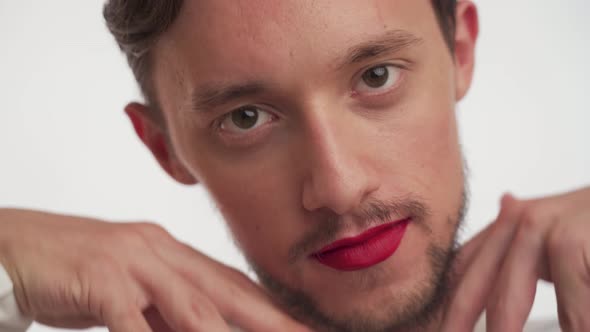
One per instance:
[(374, 212)]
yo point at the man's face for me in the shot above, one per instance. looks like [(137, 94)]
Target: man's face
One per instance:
[(315, 121)]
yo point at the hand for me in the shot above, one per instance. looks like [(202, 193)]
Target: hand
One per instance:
[(498, 270), (76, 273)]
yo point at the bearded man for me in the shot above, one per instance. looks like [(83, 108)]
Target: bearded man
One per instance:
[(326, 133)]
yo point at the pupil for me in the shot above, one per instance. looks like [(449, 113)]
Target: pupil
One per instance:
[(376, 77), (245, 118)]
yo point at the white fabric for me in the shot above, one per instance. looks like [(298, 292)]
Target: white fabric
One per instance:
[(11, 319)]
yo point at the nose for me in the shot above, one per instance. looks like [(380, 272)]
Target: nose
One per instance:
[(340, 174)]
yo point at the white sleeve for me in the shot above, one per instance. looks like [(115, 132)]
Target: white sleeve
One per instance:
[(11, 319)]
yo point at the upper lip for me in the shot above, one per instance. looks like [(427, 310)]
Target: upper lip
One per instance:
[(358, 239)]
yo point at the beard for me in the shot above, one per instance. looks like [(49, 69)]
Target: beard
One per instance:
[(416, 309)]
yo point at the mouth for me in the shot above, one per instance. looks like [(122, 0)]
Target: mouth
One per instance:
[(371, 247)]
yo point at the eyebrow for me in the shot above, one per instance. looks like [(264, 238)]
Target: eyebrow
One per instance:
[(214, 95), (392, 41), (210, 96)]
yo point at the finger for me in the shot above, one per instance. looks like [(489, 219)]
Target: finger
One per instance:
[(155, 320), (242, 297), (126, 320), (511, 301), (118, 311), (471, 248), (573, 301), (569, 254), (239, 299), (181, 305), (113, 299), (470, 296)]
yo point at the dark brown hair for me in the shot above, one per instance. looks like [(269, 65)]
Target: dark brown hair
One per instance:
[(137, 24)]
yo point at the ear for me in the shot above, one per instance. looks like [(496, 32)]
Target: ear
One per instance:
[(466, 32), (153, 134)]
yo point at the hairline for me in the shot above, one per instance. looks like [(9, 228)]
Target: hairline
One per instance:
[(141, 60)]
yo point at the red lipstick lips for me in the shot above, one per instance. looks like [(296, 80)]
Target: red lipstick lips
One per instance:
[(365, 250)]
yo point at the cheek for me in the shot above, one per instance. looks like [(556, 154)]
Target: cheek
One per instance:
[(422, 154), (420, 147), (441, 156), (440, 163), (435, 143), (438, 149), (258, 203)]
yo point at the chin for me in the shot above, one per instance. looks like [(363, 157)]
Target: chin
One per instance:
[(337, 290), (404, 290), (395, 288)]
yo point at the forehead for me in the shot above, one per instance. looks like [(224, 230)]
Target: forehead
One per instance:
[(243, 38)]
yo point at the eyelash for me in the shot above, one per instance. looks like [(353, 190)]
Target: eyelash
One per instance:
[(248, 137), (359, 76)]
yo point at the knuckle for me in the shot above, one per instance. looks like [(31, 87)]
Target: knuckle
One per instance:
[(233, 301), (191, 324), (527, 235), (202, 313), (203, 309), (235, 278), (509, 207), (564, 239), (532, 218), (235, 292), (151, 230), (78, 290), (239, 277), (245, 283), (111, 311), (125, 237), (555, 241)]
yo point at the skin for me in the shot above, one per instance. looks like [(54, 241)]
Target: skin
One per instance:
[(330, 150), (304, 165)]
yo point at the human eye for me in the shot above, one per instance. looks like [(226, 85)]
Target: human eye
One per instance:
[(378, 80), (244, 120)]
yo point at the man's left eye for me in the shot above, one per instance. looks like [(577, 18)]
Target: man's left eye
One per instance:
[(378, 79)]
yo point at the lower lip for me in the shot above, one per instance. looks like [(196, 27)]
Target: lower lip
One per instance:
[(374, 250)]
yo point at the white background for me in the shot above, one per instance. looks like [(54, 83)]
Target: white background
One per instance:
[(66, 146)]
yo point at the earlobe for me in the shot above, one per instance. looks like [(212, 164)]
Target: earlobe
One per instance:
[(466, 33), (154, 137)]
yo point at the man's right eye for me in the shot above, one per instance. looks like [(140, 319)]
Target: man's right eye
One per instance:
[(245, 119), (378, 80)]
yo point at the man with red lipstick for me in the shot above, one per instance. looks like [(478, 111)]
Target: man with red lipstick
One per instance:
[(371, 247), (326, 132)]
